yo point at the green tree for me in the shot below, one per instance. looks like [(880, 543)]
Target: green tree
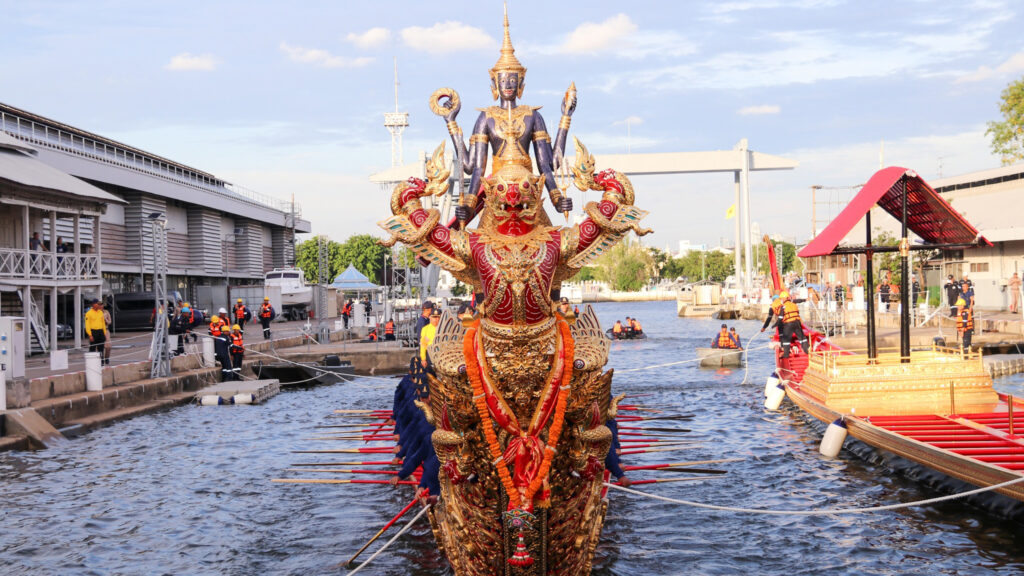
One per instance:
[(1008, 135), (307, 258), (365, 253), (626, 267), (459, 289)]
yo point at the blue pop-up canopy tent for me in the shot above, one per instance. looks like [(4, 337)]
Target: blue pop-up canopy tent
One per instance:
[(352, 280)]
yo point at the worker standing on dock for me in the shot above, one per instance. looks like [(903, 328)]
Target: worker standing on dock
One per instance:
[(96, 329), (237, 352), (266, 316), (423, 319), (241, 313), (219, 333), (389, 329), (965, 323)]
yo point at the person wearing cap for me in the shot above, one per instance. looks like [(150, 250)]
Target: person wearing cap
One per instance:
[(773, 310), (423, 319), (952, 293), (735, 337), (220, 333), (723, 339), (241, 314), (564, 308), (965, 323), (180, 324), (266, 315), (96, 329), (428, 333), (237, 349)]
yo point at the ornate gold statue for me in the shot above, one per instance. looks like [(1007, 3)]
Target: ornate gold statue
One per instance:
[(517, 397)]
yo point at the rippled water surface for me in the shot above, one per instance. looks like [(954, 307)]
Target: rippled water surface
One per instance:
[(187, 491)]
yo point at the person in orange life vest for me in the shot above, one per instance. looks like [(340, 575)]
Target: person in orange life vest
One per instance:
[(965, 323), (237, 352), (266, 315), (389, 329), (723, 339), (220, 333), (346, 312), (629, 326), (637, 328), (773, 311), (791, 325), (372, 335), (241, 314), (735, 337), (617, 329)]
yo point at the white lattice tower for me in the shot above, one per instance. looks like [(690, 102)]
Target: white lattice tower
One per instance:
[(396, 122)]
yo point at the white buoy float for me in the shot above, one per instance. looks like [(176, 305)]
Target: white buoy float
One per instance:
[(832, 441), (770, 383), (775, 396), (211, 400), (244, 398)]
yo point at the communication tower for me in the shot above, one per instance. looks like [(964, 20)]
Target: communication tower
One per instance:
[(396, 122)]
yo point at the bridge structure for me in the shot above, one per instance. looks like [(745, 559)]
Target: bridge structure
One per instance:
[(741, 161)]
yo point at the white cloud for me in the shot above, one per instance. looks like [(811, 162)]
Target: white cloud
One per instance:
[(1014, 65), (189, 62), (321, 58), (631, 120), (618, 36), (372, 38), (447, 37), (760, 110), (593, 37)]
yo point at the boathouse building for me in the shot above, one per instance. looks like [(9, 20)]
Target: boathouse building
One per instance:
[(102, 194)]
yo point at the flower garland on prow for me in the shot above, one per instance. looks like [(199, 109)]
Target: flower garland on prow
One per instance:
[(473, 371)]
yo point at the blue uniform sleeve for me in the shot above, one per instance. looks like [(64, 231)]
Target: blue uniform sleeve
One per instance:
[(431, 468), (416, 456), (611, 461)]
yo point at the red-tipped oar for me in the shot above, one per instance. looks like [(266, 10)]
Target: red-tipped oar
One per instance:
[(346, 451), (418, 472), (362, 411), (649, 450), (680, 464), (632, 445), (653, 429), (664, 480), (338, 481), (348, 463), (378, 534)]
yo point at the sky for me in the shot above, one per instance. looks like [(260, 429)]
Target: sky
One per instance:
[(288, 98)]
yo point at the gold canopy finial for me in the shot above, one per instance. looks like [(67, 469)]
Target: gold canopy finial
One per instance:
[(507, 62)]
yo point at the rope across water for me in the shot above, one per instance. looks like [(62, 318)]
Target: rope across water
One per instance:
[(826, 512)]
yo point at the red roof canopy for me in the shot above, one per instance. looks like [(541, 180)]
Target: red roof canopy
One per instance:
[(928, 214)]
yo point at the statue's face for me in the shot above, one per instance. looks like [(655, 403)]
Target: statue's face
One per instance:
[(515, 206), (508, 85)]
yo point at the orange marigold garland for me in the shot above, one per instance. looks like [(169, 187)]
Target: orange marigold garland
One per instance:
[(473, 371)]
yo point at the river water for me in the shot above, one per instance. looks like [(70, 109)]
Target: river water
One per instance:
[(187, 491)]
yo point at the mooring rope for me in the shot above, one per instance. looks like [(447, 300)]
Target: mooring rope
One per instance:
[(826, 512), (651, 367), (393, 538)]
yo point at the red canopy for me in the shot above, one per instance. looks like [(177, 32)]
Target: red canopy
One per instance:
[(928, 214)]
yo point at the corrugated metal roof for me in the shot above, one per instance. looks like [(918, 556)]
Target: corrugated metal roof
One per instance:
[(22, 169)]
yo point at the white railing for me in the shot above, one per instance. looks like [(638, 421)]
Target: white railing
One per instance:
[(17, 263)]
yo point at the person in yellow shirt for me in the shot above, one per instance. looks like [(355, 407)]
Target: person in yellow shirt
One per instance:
[(427, 335), (96, 329)]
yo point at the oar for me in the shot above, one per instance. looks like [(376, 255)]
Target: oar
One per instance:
[(389, 438), (416, 472), (664, 480), (369, 463), (653, 429), (633, 445), (346, 451), (649, 450), (378, 535), (364, 416), (338, 481), (362, 411), (651, 438), (681, 464), (345, 426), (643, 418)]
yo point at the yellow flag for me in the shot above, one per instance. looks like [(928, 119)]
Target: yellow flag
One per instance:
[(730, 212)]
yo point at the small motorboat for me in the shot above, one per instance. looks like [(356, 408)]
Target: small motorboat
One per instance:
[(720, 357), (625, 335)]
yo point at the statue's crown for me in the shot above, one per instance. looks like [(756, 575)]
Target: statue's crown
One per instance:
[(507, 62)]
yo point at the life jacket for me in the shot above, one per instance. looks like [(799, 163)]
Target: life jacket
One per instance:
[(389, 328), (265, 310), (617, 329), (347, 310), (790, 313), (776, 305), (637, 327), (237, 345), (217, 328), (725, 341), (968, 324), (240, 311)]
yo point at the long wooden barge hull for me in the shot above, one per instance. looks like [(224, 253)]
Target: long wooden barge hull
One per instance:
[(974, 448)]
